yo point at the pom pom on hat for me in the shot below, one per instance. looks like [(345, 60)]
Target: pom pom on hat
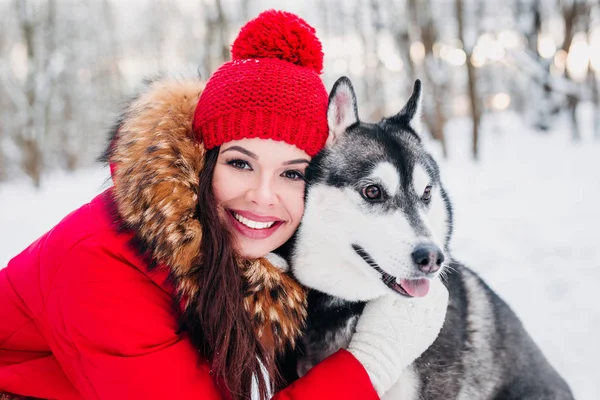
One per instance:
[(282, 35)]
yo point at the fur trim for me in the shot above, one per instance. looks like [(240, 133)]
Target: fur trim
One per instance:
[(277, 303), (156, 161)]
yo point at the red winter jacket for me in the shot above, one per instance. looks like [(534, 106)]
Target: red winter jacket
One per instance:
[(81, 317)]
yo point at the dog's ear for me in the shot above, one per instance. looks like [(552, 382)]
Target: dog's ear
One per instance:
[(342, 111), (411, 113)]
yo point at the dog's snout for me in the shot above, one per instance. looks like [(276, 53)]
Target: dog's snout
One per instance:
[(428, 257)]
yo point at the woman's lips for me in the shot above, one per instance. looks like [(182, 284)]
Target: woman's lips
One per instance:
[(255, 217), (253, 226)]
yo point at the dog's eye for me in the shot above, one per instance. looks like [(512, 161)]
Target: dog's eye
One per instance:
[(426, 194), (372, 192)]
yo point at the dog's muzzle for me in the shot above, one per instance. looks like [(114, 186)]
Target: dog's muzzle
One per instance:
[(406, 287)]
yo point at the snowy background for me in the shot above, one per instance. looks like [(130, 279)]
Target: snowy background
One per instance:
[(526, 192), (526, 220)]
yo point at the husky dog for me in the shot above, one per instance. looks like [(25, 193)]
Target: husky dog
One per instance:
[(377, 219)]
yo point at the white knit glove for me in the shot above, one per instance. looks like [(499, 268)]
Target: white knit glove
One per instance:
[(394, 330)]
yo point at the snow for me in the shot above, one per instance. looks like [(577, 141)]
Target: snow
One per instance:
[(26, 214), (525, 219)]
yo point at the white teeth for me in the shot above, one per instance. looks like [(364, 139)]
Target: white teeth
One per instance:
[(253, 224)]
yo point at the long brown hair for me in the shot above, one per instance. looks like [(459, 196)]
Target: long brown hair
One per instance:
[(218, 323)]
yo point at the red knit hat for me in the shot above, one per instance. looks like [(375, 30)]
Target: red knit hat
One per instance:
[(271, 89)]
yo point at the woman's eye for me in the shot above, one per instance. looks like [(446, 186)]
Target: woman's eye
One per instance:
[(293, 175), (372, 193), (239, 164), (426, 194)]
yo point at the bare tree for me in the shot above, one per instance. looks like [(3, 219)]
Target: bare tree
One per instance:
[(569, 16), (436, 80), (223, 30), (115, 81), (472, 78), (79, 63), (245, 7), (374, 72), (367, 20), (3, 161), (593, 77), (402, 35), (575, 15), (4, 104), (37, 86), (216, 37)]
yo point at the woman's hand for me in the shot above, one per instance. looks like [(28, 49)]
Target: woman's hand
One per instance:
[(395, 330)]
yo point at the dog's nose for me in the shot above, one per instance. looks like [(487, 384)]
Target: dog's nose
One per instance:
[(428, 257)]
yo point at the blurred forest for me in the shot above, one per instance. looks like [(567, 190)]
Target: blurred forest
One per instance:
[(66, 66)]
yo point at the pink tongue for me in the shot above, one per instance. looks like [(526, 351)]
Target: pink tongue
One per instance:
[(415, 287)]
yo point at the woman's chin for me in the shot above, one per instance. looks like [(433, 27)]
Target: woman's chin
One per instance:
[(253, 254), (252, 248)]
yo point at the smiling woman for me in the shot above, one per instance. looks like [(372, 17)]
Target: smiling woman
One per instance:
[(159, 287), (259, 188)]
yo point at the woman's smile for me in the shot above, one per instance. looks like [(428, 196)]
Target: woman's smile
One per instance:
[(253, 226)]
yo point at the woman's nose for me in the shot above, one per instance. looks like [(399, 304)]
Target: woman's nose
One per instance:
[(262, 193)]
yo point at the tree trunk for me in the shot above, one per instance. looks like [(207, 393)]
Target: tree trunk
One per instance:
[(474, 100), (28, 137), (245, 5), (50, 44), (3, 172), (596, 101), (209, 35), (593, 77), (223, 32), (32, 159), (436, 118), (570, 15), (115, 78), (375, 87)]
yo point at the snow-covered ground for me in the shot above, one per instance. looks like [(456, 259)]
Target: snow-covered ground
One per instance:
[(525, 218)]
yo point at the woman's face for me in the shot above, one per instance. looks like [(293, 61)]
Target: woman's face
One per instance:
[(259, 187)]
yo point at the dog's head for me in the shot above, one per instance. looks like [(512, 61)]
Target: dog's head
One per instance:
[(377, 217)]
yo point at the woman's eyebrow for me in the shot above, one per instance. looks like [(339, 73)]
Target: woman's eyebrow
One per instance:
[(297, 161), (241, 150), (254, 156)]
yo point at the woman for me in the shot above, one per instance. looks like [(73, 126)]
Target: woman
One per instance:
[(150, 291)]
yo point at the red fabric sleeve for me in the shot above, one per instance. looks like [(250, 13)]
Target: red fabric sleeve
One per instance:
[(113, 332), (41, 377), (340, 376)]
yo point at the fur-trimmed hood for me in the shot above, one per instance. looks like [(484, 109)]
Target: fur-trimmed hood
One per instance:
[(155, 162)]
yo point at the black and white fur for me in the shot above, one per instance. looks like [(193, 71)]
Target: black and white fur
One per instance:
[(483, 351)]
